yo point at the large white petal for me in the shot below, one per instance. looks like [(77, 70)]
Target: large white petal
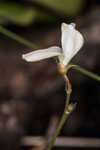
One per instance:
[(72, 41), (42, 54)]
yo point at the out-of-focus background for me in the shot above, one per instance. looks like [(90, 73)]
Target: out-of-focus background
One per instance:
[(32, 95)]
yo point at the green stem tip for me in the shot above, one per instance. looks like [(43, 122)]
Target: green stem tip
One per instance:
[(16, 37), (85, 72)]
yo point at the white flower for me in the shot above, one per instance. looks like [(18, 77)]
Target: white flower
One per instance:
[(71, 40)]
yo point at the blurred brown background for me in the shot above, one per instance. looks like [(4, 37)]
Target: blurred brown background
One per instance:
[(31, 94)]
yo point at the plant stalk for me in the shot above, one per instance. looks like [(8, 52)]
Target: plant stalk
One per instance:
[(67, 111), (85, 72), (16, 37)]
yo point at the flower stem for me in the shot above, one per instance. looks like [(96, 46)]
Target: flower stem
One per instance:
[(68, 89), (63, 119), (85, 72), (67, 111), (17, 37)]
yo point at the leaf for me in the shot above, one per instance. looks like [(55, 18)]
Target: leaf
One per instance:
[(16, 13), (68, 7), (21, 15)]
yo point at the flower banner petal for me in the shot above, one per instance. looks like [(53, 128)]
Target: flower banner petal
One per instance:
[(72, 41)]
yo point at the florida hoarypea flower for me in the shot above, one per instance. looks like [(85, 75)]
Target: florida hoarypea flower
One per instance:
[(71, 41)]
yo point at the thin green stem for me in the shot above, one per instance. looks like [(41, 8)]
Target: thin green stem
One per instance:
[(85, 72), (68, 89), (16, 37), (62, 121), (67, 111), (64, 117), (67, 100)]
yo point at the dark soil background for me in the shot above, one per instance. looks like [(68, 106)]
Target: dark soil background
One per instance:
[(32, 93)]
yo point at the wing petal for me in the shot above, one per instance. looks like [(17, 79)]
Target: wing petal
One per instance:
[(42, 54)]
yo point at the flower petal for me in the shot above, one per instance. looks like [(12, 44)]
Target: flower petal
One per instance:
[(42, 54), (79, 41), (72, 41)]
